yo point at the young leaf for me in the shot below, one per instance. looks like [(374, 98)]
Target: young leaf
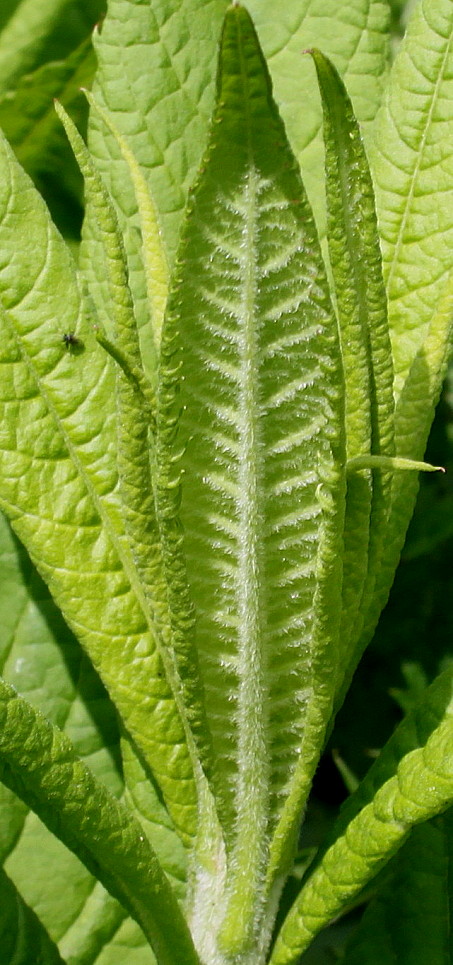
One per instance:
[(157, 88), (414, 415), (362, 311), (38, 762), (411, 782), (250, 366)]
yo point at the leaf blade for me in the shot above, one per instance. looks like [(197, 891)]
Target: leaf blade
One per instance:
[(412, 161), (38, 762), (57, 439), (259, 347), (410, 783)]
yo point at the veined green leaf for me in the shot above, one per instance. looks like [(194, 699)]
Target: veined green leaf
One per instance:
[(153, 252), (410, 782), (412, 162), (23, 939), (365, 345), (420, 880), (250, 359), (58, 481), (156, 65), (38, 761)]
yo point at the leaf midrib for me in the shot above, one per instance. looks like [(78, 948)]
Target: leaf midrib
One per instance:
[(413, 181)]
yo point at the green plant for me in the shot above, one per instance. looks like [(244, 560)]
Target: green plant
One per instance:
[(213, 470)]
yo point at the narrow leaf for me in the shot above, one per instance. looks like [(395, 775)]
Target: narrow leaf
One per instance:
[(410, 783), (250, 367), (153, 252), (135, 428), (415, 412), (365, 344), (38, 762), (390, 464)]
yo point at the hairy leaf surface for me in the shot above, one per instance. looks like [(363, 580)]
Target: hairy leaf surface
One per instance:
[(251, 328), (155, 77), (365, 345)]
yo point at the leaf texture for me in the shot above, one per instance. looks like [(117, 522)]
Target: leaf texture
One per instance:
[(156, 66), (410, 783), (410, 917), (57, 467), (38, 761), (250, 357), (365, 345), (412, 162)]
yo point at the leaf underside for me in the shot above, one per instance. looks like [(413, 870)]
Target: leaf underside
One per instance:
[(252, 336)]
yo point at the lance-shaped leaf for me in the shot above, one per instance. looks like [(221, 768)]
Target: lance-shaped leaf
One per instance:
[(411, 782), (414, 415), (38, 762), (365, 344), (157, 86), (135, 436), (250, 359), (58, 481)]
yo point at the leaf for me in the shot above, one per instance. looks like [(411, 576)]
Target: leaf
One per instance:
[(250, 365), (58, 482), (158, 89), (39, 762), (365, 345), (27, 118), (414, 415), (23, 939), (410, 914), (135, 442), (411, 782), (39, 31), (412, 162)]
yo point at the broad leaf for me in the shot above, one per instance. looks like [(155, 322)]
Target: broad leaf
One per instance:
[(37, 32), (250, 358), (23, 939), (58, 432), (28, 120), (412, 160)]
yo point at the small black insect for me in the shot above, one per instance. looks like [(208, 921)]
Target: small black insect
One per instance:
[(72, 343)]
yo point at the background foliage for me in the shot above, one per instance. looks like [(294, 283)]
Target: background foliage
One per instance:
[(45, 52)]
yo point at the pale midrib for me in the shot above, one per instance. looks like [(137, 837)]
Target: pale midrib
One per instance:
[(252, 788)]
